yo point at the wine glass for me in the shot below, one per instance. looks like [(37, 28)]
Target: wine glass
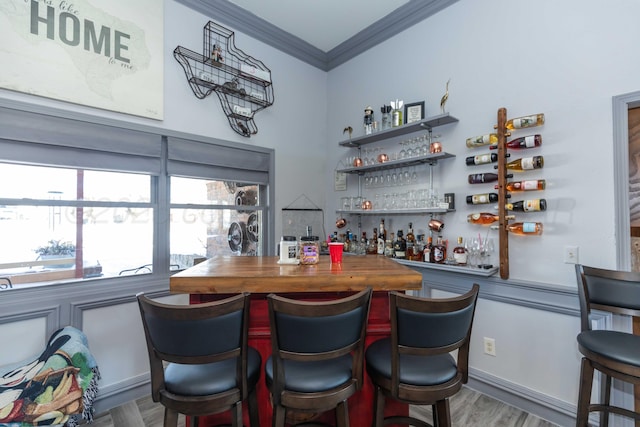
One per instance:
[(472, 245)]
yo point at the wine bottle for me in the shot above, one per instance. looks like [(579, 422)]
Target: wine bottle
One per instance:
[(485, 218), (480, 199), (460, 253), (532, 205), (525, 163), (482, 159), (529, 185), (426, 252), (525, 228), (525, 122), (530, 141), (479, 141), (481, 178)]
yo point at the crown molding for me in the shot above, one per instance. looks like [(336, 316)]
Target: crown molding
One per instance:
[(227, 13)]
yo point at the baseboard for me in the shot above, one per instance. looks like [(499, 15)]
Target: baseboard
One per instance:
[(541, 405), (122, 392)]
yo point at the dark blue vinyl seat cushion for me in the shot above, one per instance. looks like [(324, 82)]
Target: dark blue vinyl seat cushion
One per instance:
[(619, 346), (309, 377), (415, 370), (210, 378)]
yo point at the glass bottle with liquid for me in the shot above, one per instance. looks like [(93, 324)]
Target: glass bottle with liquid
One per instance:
[(399, 246), (528, 185), (525, 163), (481, 199), (426, 251), (439, 252), (525, 121), (460, 254), (530, 141), (482, 140), (524, 228), (485, 218), (532, 205), (481, 178), (481, 159)]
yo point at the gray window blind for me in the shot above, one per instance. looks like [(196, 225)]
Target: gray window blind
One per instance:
[(43, 139), (190, 158)]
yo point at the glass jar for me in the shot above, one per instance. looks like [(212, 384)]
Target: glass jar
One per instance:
[(309, 250), (288, 250)]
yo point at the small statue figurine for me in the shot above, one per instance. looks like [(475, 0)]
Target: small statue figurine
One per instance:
[(216, 55), (368, 121), (443, 101)]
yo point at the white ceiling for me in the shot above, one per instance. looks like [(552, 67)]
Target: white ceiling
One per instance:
[(323, 33), (322, 23)]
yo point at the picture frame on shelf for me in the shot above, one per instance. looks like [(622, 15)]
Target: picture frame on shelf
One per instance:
[(414, 112)]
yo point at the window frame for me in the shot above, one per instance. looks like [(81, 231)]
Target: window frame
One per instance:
[(44, 127)]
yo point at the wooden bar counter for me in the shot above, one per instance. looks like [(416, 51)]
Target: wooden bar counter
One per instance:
[(223, 276)]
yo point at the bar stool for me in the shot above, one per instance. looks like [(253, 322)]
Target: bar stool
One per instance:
[(317, 354), (414, 365), (616, 354), (211, 368)]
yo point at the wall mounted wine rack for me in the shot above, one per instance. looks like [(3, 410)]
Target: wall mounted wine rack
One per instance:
[(503, 235)]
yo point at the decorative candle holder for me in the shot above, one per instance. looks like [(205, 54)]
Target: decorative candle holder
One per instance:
[(435, 147)]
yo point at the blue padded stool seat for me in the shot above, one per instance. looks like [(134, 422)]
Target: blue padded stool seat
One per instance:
[(619, 346), (310, 377), (441, 367), (195, 380)]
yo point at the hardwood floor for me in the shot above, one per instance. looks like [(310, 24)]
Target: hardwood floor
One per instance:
[(468, 408)]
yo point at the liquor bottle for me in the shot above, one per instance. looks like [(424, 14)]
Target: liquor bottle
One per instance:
[(525, 122), (485, 218), (525, 228), (347, 241), (381, 238), (399, 246), (525, 163), (439, 252), (481, 199), (481, 159), (528, 205), (529, 185), (411, 238), (479, 141), (426, 252), (372, 243), (388, 246), (460, 253), (481, 178), (530, 141)]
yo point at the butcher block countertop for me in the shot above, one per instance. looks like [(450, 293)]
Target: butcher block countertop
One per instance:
[(233, 274)]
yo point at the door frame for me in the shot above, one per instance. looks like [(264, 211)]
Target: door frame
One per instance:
[(621, 106)]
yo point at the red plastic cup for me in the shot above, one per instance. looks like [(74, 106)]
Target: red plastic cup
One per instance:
[(335, 252)]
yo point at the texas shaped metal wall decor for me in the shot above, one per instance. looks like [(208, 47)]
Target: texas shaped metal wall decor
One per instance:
[(242, 83)]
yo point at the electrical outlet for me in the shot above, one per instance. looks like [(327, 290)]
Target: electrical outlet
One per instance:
[(570, 254), (490, 346)]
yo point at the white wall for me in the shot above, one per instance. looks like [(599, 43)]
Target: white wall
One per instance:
[(565, 59)]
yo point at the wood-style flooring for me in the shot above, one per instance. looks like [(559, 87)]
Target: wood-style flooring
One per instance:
[(468, 408)]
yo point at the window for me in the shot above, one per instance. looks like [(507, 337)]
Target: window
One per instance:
[(60, 223), (82, 201)]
